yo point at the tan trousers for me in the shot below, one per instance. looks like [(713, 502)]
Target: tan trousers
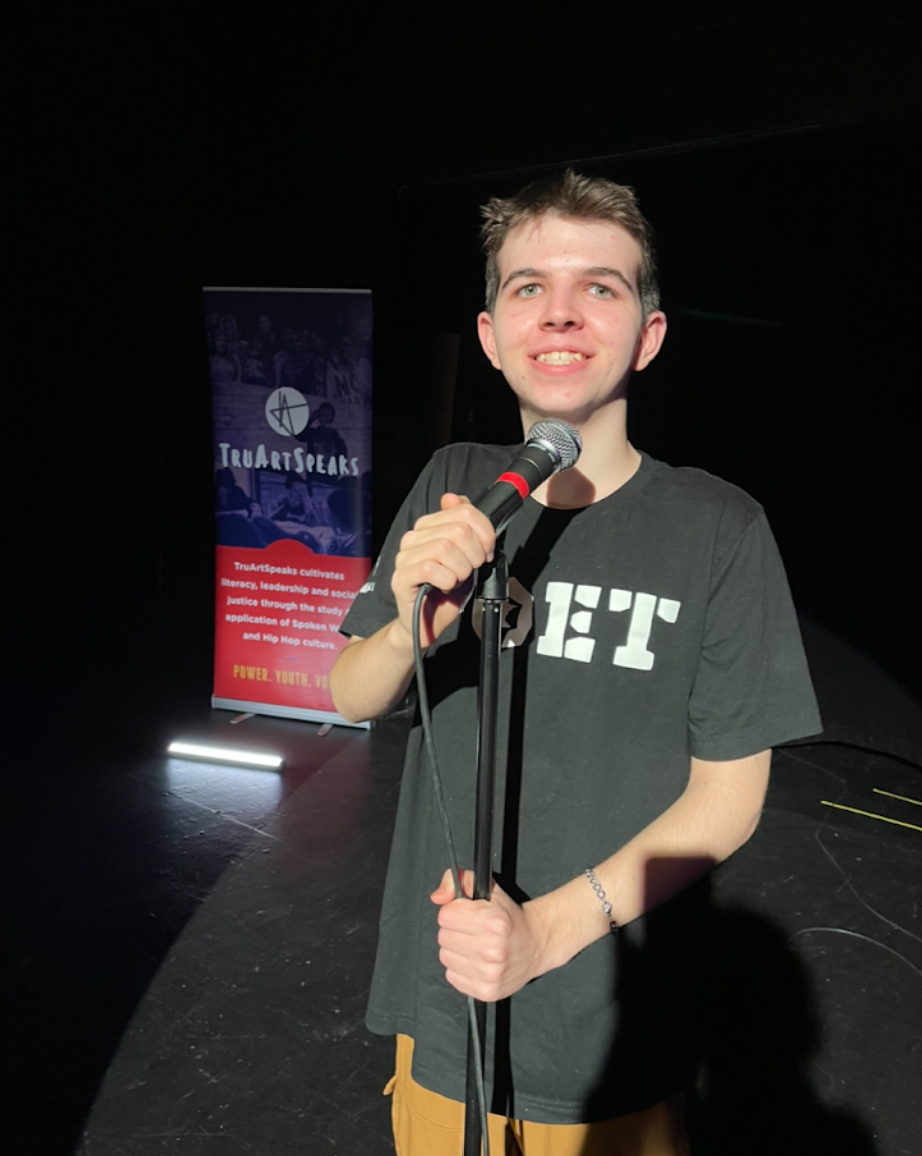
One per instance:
[(426, 1124)]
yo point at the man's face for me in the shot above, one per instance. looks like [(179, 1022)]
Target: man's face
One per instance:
[(567, 329)]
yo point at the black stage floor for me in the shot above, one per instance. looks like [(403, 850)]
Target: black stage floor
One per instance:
[(189, 950)]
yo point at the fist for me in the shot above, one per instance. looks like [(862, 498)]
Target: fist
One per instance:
[(489, 949), (442, 550)]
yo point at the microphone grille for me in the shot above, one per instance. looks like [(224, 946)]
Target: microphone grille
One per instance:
[(561, 438)]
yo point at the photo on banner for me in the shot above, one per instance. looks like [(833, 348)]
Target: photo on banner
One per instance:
[(291, 383)]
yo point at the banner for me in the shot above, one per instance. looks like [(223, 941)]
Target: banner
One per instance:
[(291, 383)]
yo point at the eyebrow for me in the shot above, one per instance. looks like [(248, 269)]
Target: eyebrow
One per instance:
[(605, 271), (592, 271)]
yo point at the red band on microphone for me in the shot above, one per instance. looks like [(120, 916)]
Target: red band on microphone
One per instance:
[(515, 480)]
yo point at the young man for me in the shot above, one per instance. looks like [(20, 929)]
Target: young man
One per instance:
[(653, 662)]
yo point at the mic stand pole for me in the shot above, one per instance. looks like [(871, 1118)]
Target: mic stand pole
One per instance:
[(493, 594)]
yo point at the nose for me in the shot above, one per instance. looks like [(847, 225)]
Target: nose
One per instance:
[(561, 308)]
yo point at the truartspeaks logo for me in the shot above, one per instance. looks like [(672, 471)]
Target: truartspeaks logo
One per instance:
[(287, 411)]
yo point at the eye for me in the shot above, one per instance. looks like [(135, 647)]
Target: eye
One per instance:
[(529, 291), (601, 291)]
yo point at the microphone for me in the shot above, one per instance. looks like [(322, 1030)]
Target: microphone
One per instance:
[(552, 445)]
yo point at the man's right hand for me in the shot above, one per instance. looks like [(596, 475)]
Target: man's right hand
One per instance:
[(371, 675), (443, 550)]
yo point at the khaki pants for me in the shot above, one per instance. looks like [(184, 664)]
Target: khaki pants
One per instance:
[(426, 1124)]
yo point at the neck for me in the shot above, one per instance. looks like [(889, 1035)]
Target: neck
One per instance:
[(608, 461)]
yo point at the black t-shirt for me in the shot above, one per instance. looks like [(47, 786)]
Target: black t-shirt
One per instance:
[(650, 627)]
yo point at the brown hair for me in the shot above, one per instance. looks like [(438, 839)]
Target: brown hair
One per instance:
[(581, 198)]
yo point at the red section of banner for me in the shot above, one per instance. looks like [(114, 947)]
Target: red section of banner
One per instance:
[(515, 480), (277, 619)]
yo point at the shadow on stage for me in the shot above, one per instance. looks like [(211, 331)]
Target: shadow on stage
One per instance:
[(722, 992)]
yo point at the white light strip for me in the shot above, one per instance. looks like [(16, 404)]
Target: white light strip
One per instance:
[(225, 755)]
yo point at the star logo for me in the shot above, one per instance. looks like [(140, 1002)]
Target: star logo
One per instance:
[(287, 411), (518, 616)]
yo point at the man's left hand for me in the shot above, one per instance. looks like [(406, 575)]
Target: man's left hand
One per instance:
[(489, 949)]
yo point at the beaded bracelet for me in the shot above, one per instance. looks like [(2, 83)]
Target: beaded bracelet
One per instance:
[(606, 906)]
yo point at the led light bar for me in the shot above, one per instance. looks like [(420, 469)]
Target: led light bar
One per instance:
[(226, 755)]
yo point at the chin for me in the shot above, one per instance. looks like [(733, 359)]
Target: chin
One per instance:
[(571, 411)]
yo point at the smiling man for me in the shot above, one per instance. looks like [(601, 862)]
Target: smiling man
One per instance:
[(662, 664)]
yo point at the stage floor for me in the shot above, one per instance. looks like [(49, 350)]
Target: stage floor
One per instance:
[(191, 950)]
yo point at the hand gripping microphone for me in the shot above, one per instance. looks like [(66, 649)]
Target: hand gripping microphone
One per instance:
[(552, 445)]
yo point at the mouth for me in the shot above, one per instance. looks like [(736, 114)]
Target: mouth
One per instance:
[(560, 357)]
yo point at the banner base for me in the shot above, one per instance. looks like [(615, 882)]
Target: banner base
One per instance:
[(303, 713)]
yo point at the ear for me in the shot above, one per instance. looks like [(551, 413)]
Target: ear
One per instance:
[(652, 336), (487, 336)]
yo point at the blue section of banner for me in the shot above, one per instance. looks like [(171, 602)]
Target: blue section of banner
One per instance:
[(291, 380)]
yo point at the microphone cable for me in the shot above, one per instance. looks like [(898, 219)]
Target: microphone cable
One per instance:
[(426, 718)]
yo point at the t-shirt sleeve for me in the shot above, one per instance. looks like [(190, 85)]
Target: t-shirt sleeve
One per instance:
[(752, 689), (374, 605)]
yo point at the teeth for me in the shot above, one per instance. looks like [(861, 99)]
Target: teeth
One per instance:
[(559, 357)]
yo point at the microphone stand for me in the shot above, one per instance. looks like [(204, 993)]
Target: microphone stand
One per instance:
[(493, 594)]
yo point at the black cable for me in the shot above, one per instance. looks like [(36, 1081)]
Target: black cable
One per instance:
[(426, 718)]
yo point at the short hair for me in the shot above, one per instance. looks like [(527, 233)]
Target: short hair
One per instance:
[(577, 197)]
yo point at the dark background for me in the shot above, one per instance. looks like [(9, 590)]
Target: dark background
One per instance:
[(152, 151), (774, 147)]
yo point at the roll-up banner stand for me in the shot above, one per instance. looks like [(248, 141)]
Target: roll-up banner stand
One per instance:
[(291, 387)]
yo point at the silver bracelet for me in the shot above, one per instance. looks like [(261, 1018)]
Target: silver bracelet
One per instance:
[(606, 906)]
